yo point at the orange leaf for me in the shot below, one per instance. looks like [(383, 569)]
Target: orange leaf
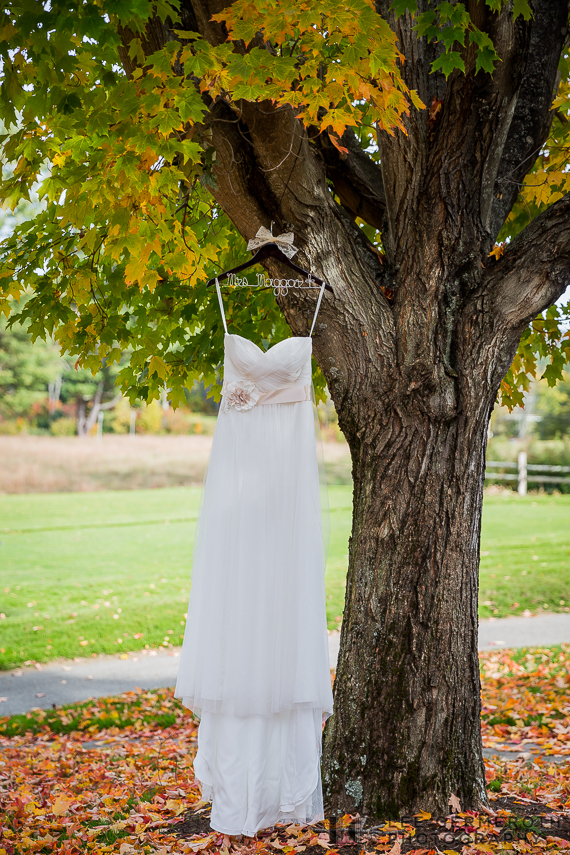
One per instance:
[(61, 805)]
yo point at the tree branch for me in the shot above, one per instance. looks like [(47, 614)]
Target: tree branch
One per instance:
[(201, 11), (357, 180), (535, 269), (532, 117), (495, 123), (109, 405)]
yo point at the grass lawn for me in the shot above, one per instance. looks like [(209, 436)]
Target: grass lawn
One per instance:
[(525, 554), (106, 572)]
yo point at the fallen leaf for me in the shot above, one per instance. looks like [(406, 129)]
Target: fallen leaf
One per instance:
[(61, 805), (423, 816), (176, 806), (455, 803)]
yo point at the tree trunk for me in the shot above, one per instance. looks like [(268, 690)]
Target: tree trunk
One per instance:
[(406, 726), (81, 416), (413, 346)]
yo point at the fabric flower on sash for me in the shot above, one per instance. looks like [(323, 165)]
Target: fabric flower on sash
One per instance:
[(240, 395)]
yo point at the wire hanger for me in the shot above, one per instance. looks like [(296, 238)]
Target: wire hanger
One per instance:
[(269, 249)]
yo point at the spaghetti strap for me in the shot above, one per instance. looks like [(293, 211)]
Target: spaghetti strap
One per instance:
[(222, 306), (317, 309)]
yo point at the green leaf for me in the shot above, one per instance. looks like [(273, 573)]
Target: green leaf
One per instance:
[(109, 79), (158, 366), (402, 6), (136, 52), (69, 103), (450, 35), (485, 60), (426, 24), (521, 7), (190, 106), (486, 56), (448, 62)]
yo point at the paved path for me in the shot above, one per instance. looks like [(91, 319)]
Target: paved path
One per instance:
[(538, 631), (71, 680), (76, 680)]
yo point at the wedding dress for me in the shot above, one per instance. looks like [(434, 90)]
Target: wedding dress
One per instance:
[(254, 664)]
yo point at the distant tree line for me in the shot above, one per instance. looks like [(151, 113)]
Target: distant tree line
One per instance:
[(42, 392)]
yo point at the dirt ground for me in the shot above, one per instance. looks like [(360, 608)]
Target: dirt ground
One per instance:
[(47, 464)]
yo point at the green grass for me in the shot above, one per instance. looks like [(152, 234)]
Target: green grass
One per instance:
[(83, 557), (525, 554)]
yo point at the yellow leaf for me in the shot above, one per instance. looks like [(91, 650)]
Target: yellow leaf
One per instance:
[(6, 32), (157, 365), (61, 805), (150, 279), (497, 251), (60, 158), (175, 805), (423, 815)]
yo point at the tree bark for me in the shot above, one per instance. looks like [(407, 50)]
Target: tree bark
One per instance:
[(406, 731), (413, 346)]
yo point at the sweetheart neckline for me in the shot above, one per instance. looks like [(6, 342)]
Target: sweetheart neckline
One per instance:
[(243, 338)]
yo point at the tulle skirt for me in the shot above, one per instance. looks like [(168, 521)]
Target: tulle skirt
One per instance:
[(254, 664), (256, 639)]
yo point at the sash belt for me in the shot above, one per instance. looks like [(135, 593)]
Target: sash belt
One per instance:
[(290, 395)]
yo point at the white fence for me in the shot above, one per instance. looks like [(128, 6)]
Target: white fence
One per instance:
[(525, 473)]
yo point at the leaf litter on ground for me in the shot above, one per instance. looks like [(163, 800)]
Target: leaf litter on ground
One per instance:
[(114, 775)]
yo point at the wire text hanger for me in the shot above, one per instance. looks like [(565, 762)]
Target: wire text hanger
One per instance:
[(279, 248)]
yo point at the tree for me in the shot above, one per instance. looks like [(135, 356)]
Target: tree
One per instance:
[(419, 157), (25, 371), (89, 393), (553, 407), (30, 371)]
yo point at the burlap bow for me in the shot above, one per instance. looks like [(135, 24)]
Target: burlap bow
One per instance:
[(284, 242)]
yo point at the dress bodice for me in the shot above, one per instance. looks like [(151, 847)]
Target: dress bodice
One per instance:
[(287, 363)]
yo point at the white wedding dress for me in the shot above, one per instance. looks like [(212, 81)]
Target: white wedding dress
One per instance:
[(254, 663)]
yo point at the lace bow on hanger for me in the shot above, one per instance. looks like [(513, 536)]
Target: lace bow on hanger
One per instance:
[(264, 236)]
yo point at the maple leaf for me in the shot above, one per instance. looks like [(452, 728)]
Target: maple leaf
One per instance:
[(176, 806), (126, 152), (61, 805), (337, 144), (455, 803), (423, 815), (497, 251), (158, 365), (397, 847)]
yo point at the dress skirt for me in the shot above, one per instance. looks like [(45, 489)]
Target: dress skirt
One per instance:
[(254, 665)]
